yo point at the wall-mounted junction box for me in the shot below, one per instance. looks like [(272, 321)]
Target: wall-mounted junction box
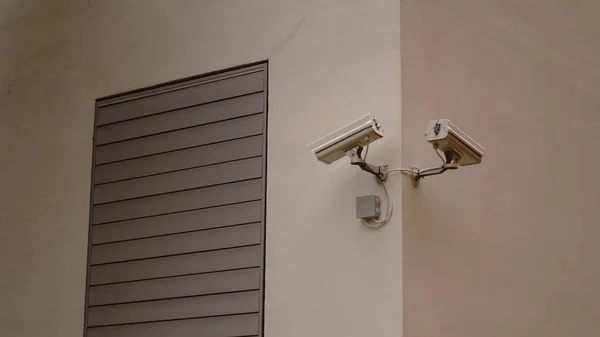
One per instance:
[(368, 207)]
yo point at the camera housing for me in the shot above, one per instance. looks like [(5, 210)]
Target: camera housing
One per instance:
[(456, 145), (336, 145)]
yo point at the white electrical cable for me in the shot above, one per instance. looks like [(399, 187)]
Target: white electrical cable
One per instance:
[(439, 155), (403, 170), (378, 223), (417, 171)]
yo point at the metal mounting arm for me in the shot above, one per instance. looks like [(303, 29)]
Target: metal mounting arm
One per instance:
[(355, 159), (418, 174), (449, 163)]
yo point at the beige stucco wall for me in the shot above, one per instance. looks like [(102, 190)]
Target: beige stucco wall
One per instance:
[(330, 63), (509, 247)]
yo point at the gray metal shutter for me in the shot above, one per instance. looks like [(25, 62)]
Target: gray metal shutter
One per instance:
[(177, 223)]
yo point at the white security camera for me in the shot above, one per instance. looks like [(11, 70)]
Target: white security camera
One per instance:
[(350, 141), (336, 145), (457, 146)]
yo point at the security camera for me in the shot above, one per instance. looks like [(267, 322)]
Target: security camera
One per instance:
[(350, 141), (457, 146), (355, 135)]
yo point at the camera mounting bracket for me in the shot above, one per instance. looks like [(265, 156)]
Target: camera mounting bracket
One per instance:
[(355, 155)]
